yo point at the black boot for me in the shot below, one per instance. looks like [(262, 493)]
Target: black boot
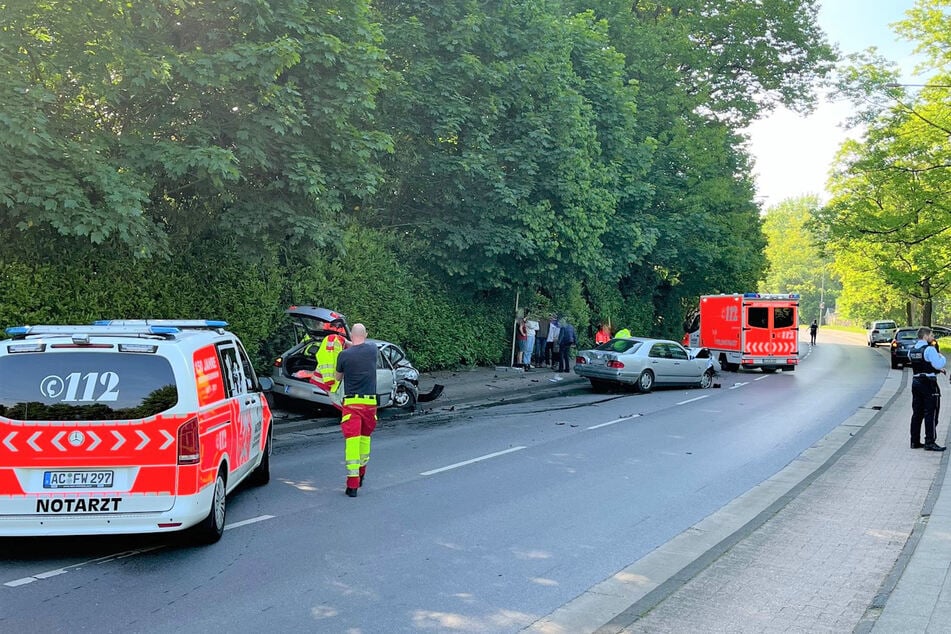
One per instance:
[(351, 492)]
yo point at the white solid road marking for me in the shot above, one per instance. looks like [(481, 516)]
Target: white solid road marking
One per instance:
[(468, 462), (614, 422), (123, 555), (253, 520), (691, 400), (766, 376)]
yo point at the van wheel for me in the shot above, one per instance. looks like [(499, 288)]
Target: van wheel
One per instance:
[(262, 474), (645, 382), (210, 529)]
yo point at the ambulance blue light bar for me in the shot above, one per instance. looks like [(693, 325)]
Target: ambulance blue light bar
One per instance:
[(95, 329), (168, 323), (771, 295)]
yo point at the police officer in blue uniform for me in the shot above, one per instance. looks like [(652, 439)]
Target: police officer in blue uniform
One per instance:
[(926, 364)]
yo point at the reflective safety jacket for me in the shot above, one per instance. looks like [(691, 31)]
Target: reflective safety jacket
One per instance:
[(330, 347)]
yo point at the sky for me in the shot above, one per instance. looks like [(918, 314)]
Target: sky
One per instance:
[(793, 153)]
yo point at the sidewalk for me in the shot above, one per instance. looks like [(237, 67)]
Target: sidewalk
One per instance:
[(829, 557)]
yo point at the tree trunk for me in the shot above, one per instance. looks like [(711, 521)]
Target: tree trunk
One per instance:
[(909, 314), (927, 304)]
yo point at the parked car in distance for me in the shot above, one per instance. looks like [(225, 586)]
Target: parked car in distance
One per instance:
[(905, 339), (645, 363), (397, 381), (881, 332)]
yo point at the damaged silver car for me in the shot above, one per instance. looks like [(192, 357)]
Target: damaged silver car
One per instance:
[(397, 381)]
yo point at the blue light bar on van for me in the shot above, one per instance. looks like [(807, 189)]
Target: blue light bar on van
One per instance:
[(168, 323), (771, 295), (163, 330), (18, 330)]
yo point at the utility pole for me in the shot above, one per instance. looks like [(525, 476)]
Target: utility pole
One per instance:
[(822, 298)]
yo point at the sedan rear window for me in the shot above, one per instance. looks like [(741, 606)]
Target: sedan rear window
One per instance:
[(620, 345), (55, 386), (906, 334)]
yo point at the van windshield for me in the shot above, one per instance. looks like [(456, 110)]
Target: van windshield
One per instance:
[(85, 386)]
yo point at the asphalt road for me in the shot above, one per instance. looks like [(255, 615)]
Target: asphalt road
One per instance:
[(483, 524)]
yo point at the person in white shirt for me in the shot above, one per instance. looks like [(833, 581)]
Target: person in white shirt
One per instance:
[(553, 331), (926, 363)]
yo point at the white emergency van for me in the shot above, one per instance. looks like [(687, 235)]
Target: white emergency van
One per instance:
[(127, 426)]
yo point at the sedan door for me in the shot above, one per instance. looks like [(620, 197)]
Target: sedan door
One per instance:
[(685, 369), (385, 378), (661, 363)]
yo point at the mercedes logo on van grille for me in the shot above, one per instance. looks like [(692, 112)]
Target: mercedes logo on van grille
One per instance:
[(76, 438)]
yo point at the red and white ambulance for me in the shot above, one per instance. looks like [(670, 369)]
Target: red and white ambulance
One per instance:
[(750, 330), (127, 427)]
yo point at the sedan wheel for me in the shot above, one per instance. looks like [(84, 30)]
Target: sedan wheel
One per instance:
[(645, 382), (706, 381)]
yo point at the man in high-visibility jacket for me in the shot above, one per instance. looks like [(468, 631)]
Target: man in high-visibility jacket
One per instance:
[(356, 367)]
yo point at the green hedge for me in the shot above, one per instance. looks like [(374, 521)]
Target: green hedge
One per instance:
[(372, 277)]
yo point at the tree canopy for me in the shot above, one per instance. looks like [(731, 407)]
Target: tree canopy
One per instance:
[(587, 151)]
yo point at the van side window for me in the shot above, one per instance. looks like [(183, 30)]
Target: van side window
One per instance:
[(250, 378), (231, 369)]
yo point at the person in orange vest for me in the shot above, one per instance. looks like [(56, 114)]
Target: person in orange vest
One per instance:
[(356, 368), (603, 335)]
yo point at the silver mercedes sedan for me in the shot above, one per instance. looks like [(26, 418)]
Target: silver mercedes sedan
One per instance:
[(645, 363)]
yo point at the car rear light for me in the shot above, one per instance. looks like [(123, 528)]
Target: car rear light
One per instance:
[(278, 362), (617, 365), (894, 344), (580, 360), (747, 362), (792, 361), (189, 451)]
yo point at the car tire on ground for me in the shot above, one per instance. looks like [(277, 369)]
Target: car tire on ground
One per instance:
[(706, 381), (262, 473), (895, 365), (645, 382), (405, 398), (209, 530)]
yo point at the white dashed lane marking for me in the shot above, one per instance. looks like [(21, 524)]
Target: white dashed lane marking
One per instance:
[(614, 422), (691, 400), (468, 462), (114, 557)]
